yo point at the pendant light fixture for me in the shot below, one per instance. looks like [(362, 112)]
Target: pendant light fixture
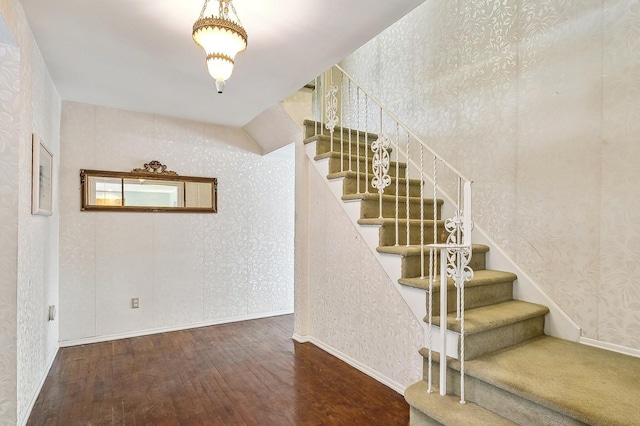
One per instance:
[(221, 37)]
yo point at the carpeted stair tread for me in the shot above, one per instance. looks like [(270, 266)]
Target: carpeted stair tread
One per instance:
[(361, 146), (354, 182), (336, 139), (354, 174), (391, 221), (591, 385), (415, 250), (374, 196), (494, 316), (311, 127), (480, 278), (363, 159), (447, 410), (392, 233)]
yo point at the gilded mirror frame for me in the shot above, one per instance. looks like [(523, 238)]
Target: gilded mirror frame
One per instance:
[(154, 174)]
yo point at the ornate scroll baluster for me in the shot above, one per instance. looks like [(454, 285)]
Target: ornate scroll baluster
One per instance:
[(458, 258), (332, 111), (332, 108), (380, 165)]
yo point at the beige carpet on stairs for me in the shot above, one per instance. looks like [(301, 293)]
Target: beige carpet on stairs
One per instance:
[(591, 385), (541, 381)]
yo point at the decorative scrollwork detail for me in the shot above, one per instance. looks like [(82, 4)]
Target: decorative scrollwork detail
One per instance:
[(453, 225), (380, 163), (156, 168), (332, 108), (458, 258)]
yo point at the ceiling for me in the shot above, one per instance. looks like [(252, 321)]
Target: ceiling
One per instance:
[(138, 54)]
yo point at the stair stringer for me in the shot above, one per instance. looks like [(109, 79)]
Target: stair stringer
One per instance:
[(413, 297)]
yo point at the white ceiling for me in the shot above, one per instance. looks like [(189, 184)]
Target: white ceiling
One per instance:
[(139, 55)]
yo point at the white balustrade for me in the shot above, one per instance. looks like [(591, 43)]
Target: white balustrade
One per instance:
[(350, 106)]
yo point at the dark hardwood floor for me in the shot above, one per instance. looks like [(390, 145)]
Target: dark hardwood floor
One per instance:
[(247, 373)]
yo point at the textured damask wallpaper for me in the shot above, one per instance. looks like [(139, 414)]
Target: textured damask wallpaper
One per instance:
[(9, 133), (33, 244), (37, 236), (537, 101), (353, 305), (185, 268)]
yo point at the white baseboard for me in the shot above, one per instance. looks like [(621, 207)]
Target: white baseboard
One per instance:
[(107, 338), (301, 339), (34, 397), (610, 347), (354, 363)]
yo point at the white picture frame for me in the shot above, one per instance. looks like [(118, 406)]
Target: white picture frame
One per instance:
[(42, 179)]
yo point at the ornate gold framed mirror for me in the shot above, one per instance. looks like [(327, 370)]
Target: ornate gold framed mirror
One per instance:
[(149, 189)]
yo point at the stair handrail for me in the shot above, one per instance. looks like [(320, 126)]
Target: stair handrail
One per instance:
[(405, 127), (454, 249)]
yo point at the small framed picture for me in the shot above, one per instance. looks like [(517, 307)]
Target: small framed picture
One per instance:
[(42, 179)]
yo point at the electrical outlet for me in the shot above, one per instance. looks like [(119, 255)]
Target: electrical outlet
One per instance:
[(135, 303)]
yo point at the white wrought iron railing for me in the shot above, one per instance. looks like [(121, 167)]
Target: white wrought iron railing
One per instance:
[(348, 114)]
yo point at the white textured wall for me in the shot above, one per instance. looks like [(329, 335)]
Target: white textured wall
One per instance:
[(353, 305), (185, 268), (37, 240), (537, 101), (9, 135), (34, 241)]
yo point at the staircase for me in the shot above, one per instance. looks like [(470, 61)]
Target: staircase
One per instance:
[(514, 374)]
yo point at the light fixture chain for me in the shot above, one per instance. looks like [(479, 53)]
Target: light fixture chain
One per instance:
[(204, 9), (233, 8)]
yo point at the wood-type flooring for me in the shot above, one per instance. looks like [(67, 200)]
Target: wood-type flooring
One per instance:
[(245, 373)]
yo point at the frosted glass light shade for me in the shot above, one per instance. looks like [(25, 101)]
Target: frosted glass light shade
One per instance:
[(221, 40), (219, 68)]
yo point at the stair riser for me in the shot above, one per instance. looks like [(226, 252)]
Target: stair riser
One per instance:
[(350, 186), (475, 296), (418, 418), (334, 166), (506, 404), (370, 209), (324, 145), (320, 130), (484, 342), (388, 234), (411, 266)]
